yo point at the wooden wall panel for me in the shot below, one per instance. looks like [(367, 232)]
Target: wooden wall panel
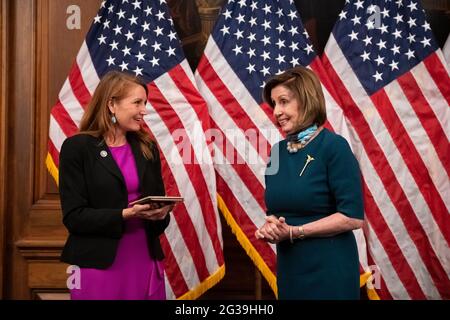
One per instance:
[(57, 47), (43, 50), (20, 139), (3, 133)]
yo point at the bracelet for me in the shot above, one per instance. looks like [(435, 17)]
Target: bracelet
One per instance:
[(290, 235), (301, 231)]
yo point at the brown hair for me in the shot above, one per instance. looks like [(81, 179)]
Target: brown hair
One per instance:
[(307, 90), (97, 121)]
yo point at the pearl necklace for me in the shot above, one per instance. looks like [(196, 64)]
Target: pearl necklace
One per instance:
[(297, 141)]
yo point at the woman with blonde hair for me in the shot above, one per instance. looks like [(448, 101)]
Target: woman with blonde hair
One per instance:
[(313, 198), (110, 163)]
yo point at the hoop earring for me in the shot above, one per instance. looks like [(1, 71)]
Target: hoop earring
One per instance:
[(113, 119)]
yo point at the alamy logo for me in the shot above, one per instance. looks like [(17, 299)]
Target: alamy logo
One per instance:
[(374, 281), (74, 20), (374, 20), (74, 280)]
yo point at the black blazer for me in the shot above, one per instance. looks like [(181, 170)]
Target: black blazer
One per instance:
[(93, 195)]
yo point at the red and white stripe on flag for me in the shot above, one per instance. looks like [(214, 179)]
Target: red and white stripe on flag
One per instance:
[(177, 119), (240, 182), (400, 135)]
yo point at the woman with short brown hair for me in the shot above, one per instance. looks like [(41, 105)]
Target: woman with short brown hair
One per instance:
[(313, 195)]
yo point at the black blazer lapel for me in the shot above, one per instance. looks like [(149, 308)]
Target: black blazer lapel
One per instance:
[(104, 156)]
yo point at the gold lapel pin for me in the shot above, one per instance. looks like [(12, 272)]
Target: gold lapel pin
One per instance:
[(308, 160)]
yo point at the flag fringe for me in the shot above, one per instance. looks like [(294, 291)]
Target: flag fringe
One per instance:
[(248, 247), (51, 167), (207, 284), (363, 278), (371, 293)]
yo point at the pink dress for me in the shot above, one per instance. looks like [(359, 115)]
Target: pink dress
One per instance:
[(134, 275)]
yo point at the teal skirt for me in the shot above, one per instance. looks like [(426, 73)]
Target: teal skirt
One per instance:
[(318, 268)]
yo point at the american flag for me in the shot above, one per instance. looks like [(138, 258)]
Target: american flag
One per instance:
[(251, 41), (138, 37), (395, 91)]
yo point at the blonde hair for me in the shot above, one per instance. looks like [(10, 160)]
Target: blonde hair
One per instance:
[(307, 90), (97, 120)]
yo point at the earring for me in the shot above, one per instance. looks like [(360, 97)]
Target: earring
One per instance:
[(113, 119)]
